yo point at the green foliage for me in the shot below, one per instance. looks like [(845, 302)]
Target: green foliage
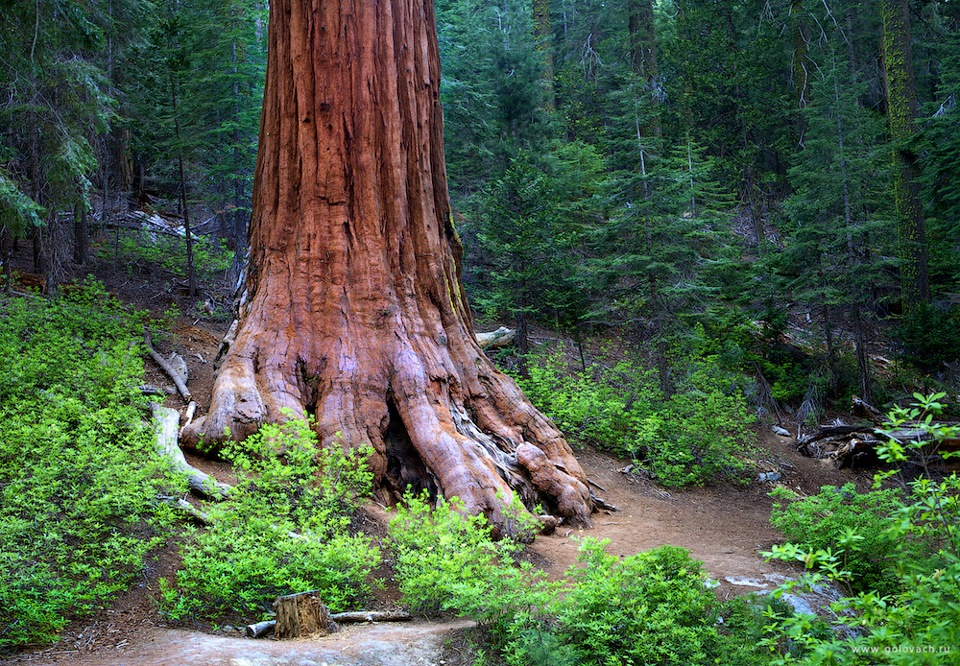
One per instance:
[(854, 526), (446, 559), (650, 608), (919, 623), (284, 529), (78, 473), (18, 212), (692, 437)]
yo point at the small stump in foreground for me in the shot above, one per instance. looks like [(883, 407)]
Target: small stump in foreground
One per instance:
[(302, 614)]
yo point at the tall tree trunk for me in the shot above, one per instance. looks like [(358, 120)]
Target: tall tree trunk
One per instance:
[(543, 39), (354, 308), (643, 58), (801, 37), (901, 92), (80, 233), (188, 235)]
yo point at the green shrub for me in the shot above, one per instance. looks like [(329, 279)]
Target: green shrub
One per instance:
[(691, 438), (284, 529), (78, 472), (696, 436), (920, 622), (651, 608), (853, 525), (598, 407), (146, 251), (446, 559)]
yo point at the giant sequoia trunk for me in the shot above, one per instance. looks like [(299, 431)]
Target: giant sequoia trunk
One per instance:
[(354, 308)]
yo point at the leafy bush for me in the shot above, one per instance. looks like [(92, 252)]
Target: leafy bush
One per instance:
[(696, 436), (651, 608), (446, 559), (78, 474), (602, 406), (853, 525), (692, 437), (284, 529), (920, 623)]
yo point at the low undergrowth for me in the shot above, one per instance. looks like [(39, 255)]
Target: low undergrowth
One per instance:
[(285, 528), (692, 437), (78, 478), (855, 525), (899, 551), (650, 608)]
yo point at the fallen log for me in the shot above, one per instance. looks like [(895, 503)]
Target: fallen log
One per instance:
[(501, 337), (866, 411), (260, 629), (200, 483), (165, 366), (371, 616), (183, 506)]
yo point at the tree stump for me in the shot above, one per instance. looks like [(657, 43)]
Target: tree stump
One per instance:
[(302, 614)]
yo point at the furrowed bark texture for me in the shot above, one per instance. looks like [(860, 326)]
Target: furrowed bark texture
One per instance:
[(354, 309)]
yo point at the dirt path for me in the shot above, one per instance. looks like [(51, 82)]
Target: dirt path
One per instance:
[(725, 527)]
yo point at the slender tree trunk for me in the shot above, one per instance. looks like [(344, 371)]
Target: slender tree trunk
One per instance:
[(354, 308), (543, 39), (80, 233), (902, 112), (188, 235), (643, 59), (6, 247), (801, 36), (859, 338)]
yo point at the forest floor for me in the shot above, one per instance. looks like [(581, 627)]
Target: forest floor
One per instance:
[(724, 526)]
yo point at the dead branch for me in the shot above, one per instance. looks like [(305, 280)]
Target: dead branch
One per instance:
[(200, 483), (165, 366), (501, 337), (183, 506)]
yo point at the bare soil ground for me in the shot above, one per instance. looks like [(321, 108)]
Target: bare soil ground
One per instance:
[(725, 527)]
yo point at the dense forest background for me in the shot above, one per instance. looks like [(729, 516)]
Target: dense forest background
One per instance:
[(691, 174)]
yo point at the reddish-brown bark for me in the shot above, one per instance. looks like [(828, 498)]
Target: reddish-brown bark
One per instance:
[(354, 308)]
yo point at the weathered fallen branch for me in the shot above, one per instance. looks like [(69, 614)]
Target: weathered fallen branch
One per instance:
[(864, 410), (183, 506), (260, 629), (165, 366), (200, 483), (371, 616), (850, 445), (191, 410), (501, 337)]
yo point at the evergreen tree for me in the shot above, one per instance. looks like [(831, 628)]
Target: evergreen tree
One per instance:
[(57, 99), (832, 257)]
